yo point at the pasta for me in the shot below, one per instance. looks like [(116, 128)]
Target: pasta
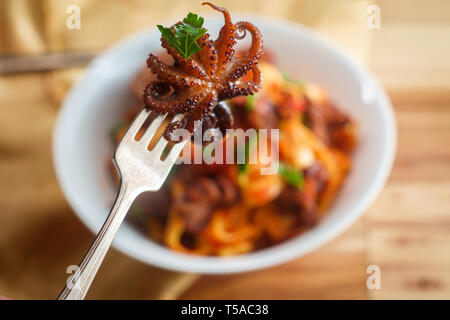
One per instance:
[(231, 209)]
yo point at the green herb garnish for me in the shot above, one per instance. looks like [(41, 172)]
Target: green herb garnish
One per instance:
[(138, 211), (115, 129), (250, 102), (291, 176), (242, 168), (184, 40), (287, 78), (248, 149)]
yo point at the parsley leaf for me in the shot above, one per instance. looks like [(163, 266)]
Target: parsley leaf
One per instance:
[(249, 147), (138, 211), (170, 37), (194, 20), (250, 102), (115, 129), (184, 40), (287, 78), (291, 176)]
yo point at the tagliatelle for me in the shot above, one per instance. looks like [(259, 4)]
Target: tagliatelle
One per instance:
[(230, 209), (175, 229), (295, 130), (231, 226), (174, 232), (277, 225), (235, 248), (341, 159), (263, 188)]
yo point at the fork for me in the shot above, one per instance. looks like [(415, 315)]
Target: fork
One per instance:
[(139, 170)]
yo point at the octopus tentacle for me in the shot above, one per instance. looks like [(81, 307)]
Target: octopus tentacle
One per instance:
[(256, 47), (172, 75), (241, 65), (187, 65), (208, 54), (192, 120), (202, 110), (226, 40), (195, 86), (253, 85), (246, 88), (155, 96)]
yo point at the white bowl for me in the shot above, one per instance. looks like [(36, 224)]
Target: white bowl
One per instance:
[(81, 145)]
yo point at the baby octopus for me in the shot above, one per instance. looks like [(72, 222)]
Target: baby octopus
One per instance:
[(195, 85)]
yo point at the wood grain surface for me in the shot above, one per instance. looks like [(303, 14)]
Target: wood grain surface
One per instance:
[(407, 230)]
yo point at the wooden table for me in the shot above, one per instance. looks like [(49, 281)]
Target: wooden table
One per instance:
[(407, 230)]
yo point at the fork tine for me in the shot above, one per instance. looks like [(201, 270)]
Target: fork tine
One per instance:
[(158, 149), (162, 142), (177, 117), (137, 123), (152, 129), (175, 152)]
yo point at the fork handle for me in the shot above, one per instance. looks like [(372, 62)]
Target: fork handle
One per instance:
[(78, 284)]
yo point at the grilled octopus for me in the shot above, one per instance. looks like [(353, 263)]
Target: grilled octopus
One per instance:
[(194, 86)]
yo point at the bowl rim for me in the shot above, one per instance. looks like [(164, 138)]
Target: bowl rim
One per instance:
[(273, 255)]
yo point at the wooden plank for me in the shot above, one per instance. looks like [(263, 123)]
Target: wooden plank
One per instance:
[(408, 237), (419, 12), (409, 226), (423, 137), (418, 56), (335, 271)]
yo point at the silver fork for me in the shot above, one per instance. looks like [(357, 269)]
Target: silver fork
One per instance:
[(139, 170)]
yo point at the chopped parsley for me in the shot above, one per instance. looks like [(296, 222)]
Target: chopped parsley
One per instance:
[(291, 176), (184, 40), (250, 102), (248, 149), (287, 78), (115, 129), (138, 211)]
